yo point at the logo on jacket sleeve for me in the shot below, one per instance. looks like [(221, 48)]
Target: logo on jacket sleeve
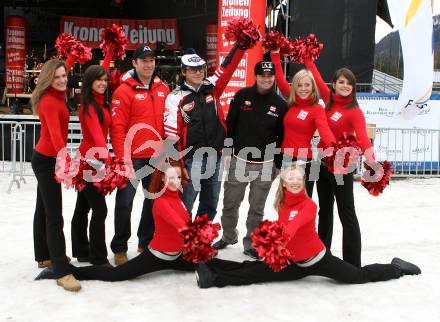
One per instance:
[(302, 115), (292, 215), (140, 97), (336, 116), (188, 107)]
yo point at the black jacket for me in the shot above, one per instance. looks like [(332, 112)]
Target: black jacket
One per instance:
[(256, 120)]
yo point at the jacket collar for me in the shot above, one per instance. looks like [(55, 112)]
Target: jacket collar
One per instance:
[(131, 79)]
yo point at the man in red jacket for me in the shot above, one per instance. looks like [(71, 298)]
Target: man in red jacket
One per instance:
[(136, 133)]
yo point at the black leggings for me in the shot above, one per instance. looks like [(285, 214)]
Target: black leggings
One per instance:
[(49, 242), (142, 264), (250, 272), (328, 190), (96, 250)]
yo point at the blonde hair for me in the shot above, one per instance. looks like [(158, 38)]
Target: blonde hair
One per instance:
[(296, 79), (279, 196), (45, 79)]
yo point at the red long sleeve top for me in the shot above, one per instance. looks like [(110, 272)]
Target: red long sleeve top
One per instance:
[(94, 133), (302, 119), (340, 117), (54, 118), (169, 215), (298, 213)]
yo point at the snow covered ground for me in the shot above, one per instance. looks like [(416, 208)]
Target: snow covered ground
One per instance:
[(403, 222)]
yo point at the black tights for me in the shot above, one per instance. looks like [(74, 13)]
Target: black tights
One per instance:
[(250, 272), (142, 264), (96, 249)]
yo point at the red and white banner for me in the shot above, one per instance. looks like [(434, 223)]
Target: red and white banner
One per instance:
[(15, 53), (211, 48), (244, 75), (138, 32)]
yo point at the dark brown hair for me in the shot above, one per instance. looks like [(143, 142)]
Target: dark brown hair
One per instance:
[(348, 74), (92, 73)]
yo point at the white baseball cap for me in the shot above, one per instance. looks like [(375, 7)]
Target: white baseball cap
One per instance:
[(192, 60)]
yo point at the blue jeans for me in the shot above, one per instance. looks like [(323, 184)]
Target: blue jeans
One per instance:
[(123, 207), (209, 188)]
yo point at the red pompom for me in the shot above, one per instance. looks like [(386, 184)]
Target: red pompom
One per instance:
[(270, 241), (82, 53), (303, 49), (243, 31), (117, 174), (345, 155), (71, 172), (113, 39), (273, 40), (67, 45), (380, 177), (197, 239), (64, 44), (286, 47)]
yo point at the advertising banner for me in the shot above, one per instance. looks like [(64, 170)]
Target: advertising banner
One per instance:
[(138, 32), (244, 75), (15, 53), (211, 48), (410, 145)]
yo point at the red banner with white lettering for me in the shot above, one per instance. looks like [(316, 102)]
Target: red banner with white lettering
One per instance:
[(138, 32), (15, 53), (244, 75), (211, 48)]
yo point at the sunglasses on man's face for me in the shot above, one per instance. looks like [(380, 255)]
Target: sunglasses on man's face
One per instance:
[(194, 70)]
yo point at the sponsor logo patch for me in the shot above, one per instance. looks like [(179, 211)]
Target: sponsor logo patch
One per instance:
[(140, 97), (116, 102), (336, 116), (302, 115), (161, 94), (188, 107), (292, 215), (209, 99), (247, 103), (273, 109)]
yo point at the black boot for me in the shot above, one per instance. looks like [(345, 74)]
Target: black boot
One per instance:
[(205, 277), (48, 274), (220, 244), (406, 268)]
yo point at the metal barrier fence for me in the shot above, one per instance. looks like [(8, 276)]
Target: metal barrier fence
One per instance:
[(8, 156), (413, 152)]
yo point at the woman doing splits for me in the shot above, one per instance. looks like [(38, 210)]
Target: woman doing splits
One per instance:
[(297, 212)]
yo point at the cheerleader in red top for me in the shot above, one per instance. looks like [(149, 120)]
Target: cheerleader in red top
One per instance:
[(344, 116), (95, 120), (49, 102), (297, 212), (303, 117), (165, 249)]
